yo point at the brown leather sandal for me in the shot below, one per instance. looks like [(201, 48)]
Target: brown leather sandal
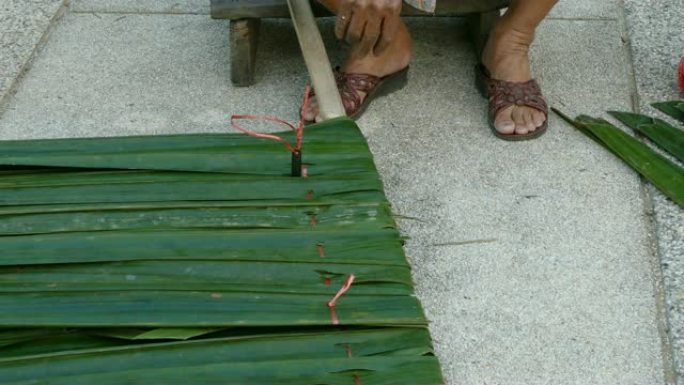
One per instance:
[(350, 84), (503, 94)]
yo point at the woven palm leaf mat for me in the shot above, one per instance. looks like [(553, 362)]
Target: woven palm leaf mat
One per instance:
[(197, 259)]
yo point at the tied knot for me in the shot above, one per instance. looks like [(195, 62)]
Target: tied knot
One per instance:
[(298, 130), (331, 304)]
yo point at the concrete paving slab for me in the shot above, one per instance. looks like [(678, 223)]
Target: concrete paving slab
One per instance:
[(13, 56), (658, 46), (586, 9), (605, 9), (524, 272), (157, 83), (22, 25), (23, 15), (531, 259), (4, 85), (142, 6)]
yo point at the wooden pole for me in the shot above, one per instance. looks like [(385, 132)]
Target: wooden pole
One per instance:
[(316, 58)]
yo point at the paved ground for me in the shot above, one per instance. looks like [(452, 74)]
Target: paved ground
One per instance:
[(658, 45), (538, 263)]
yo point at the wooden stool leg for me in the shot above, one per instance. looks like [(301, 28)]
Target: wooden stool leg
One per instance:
[(244, 36), (480, 25)]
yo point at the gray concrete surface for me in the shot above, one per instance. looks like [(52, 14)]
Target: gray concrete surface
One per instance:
[(533, 260), (586, 9), (555, 287), (658, 45), (4, 85), (565, 9), (141, 6), (22, 26)]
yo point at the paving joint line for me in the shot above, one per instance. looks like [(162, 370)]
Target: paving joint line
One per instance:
[(26, 66), (144, 13), (167, 13), (588, 18), (662, 320)]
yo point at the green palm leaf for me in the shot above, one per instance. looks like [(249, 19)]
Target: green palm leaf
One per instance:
[(279, 357), (212, 276), (198, 259), (673, 108), (659, 131), (333, 147), (378, 247), (664, 174), (80, 218)]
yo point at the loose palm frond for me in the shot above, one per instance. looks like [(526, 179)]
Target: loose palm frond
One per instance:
[(666, 136), (664, 174), (673, 108)]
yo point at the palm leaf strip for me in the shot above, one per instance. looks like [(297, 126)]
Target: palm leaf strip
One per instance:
[(664, 174), (673, 108), (668, 137)]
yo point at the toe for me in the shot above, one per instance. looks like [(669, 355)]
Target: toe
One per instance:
[(529, 120), (504, 122), (311, 112), (519, 119), (538, 117)]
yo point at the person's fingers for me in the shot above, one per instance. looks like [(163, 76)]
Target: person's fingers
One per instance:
[(356, 27), (371, 33), (389, 30), (344, 17)]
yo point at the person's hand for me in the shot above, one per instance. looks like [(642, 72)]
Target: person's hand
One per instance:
[(369, 24)]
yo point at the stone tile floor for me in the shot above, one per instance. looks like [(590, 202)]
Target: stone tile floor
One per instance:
[(535, 261)]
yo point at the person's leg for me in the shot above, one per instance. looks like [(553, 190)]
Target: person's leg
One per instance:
[(506, 57), (396, 57)]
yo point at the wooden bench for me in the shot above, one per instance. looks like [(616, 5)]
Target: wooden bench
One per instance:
[(245, 16)]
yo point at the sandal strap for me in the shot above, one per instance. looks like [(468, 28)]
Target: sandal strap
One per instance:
[(503, 94), (350, 84)]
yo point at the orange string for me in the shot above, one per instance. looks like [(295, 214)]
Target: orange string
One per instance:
[(331, 304), (357, 379), (299, 130)]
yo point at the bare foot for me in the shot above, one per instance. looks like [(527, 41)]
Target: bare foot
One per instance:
[(506, 58), (393, 59)]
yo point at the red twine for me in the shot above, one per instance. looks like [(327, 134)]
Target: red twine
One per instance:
[(333, 301), (348, 348), (299, 130), (357, 379)]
